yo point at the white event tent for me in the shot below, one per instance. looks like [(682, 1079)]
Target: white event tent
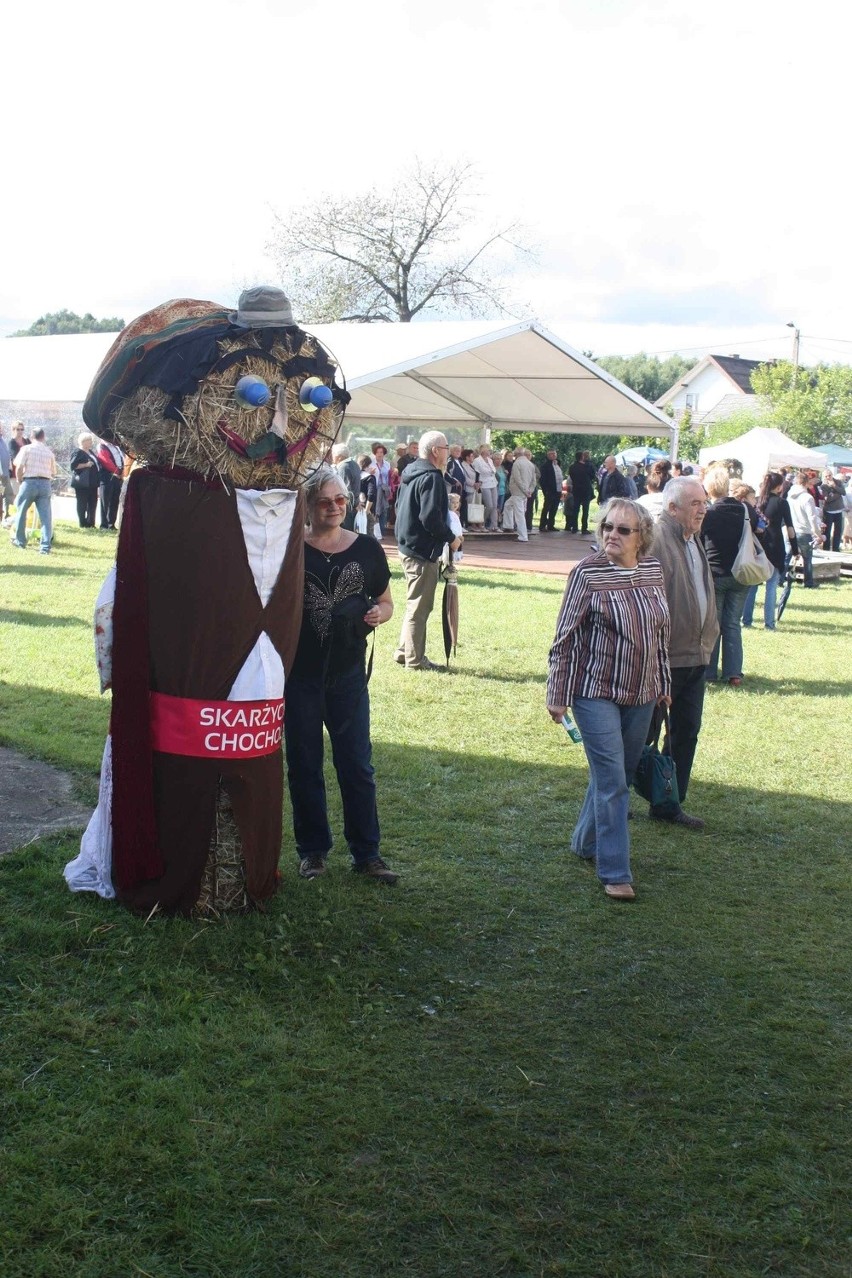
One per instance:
[(441, 375), (763, 449)]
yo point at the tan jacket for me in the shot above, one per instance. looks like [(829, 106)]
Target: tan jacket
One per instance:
[(522, 479), (690, 643)]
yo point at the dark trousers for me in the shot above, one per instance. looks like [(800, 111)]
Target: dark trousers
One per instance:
[(833, 520), (581, 507), (685, 721), (185, 791), (87, 504), (547, 522), (342, 703), (110, 494)]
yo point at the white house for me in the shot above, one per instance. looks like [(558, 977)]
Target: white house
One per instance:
[(715, 388)]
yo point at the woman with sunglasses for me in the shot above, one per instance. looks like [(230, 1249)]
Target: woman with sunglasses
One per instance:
[(347, 593), (609, 662)]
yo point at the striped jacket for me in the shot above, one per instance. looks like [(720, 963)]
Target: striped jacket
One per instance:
[(612, 637)]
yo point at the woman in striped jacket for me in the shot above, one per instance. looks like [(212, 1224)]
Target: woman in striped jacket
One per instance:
[(609, 661)]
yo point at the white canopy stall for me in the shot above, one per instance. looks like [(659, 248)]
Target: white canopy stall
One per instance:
[(487, 375), (763, 449)]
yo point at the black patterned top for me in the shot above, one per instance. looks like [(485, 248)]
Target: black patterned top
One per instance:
[(361, 568)]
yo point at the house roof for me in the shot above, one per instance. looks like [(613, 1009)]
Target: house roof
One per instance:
[(738, 371), (424, 375)]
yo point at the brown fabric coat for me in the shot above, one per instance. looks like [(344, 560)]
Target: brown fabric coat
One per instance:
[(205, 617)]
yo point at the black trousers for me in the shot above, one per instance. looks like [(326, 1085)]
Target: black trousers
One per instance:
[(581, 506), (110, 494), (547, 522), (87, 504), (684, 719)]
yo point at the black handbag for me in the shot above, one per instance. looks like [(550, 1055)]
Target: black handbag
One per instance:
[(655, 778), (349, 630)]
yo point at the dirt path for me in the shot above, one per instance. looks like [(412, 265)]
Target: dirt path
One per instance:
[(35, 800)]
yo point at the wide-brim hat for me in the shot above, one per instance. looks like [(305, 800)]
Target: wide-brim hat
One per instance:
[(262, 307)]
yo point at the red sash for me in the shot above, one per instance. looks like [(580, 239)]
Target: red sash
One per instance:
[(216, 729)]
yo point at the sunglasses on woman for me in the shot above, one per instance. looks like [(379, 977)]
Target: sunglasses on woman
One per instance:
[(329, 503), (621, 529)]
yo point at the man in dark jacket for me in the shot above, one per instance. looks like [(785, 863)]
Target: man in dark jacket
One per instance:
[(350, 474), (613, 483), (692, 609), (422, 530), (582, 475), (551, 487)]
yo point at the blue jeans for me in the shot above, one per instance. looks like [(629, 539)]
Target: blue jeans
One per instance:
[(768, 602), (34, 492), (342, 703), (730, 597), (613, 737)]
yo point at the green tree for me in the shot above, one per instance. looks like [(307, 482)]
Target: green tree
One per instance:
[(565, 445), (69, 322), (648, 375), (391, 255), (728, 428), (811, 405)]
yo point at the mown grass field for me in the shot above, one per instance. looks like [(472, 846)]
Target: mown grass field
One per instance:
[(489, 1070)]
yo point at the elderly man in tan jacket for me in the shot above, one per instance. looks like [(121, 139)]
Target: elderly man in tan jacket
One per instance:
[(522, 482), (692, 608)]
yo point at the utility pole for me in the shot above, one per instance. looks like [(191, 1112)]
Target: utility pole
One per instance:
[(796, 337)]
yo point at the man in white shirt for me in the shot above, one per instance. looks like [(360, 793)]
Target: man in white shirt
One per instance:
[(807, 525), (35, 467)]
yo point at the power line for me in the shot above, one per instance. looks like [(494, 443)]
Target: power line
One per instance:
[(846, 341), (750, 341)]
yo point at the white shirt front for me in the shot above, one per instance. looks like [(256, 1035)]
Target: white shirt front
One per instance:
[(266, 519)]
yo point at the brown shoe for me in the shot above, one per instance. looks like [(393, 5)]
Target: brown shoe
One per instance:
[(620, 891), (375, 868), (678, 818), (311, 867)]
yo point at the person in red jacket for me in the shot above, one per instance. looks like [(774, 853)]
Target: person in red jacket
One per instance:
[(110, 460)]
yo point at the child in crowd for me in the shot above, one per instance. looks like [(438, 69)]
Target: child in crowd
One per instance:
[(455, 525)]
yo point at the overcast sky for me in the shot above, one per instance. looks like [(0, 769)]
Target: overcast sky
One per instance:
[(681, 168)]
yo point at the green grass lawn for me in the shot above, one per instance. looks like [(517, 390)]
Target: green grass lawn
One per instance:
[(489, 1070)]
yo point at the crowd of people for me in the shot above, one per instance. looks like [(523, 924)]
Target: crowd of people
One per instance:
[(28, 472), (646, 618)]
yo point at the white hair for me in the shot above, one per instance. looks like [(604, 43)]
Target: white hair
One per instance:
[(339, 452), (429, 440), (675, 490)]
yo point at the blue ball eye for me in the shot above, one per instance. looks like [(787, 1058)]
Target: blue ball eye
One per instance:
[(252, 392), (314, 394)]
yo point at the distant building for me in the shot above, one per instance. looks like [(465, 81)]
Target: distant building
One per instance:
[(717, 387)]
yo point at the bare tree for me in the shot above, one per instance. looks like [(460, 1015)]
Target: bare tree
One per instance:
[(387, 256)]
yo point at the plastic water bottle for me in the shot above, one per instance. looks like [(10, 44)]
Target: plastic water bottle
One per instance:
[(571, 728)]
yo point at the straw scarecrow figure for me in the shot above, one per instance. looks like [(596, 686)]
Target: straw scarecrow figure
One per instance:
[(227, 412)]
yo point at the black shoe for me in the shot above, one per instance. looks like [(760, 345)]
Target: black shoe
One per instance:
[(311, 867), (375, 868), (678, 818)]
